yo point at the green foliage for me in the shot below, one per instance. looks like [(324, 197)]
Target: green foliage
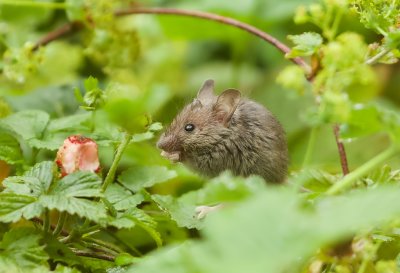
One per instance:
[(20, 247), (118, 79)]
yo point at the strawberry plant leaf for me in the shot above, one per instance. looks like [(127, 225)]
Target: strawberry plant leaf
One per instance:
[(34, 182), (10, 150), (28, 124), (78, 184), (15, 206), (121, 198), (184, 215), (141, 177), (285, 232), (21, 247)]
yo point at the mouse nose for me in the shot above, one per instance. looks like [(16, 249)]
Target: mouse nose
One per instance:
[(163, 142)]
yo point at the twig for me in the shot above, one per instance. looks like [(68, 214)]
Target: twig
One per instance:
[(57, 33), (96, 255), (342, 152), (68, 28), (378, 56)]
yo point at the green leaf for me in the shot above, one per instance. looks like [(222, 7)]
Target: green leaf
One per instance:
[(184, 215), (66, 196), (10, 150), (306, 44), (21, 247), (121, 198), (125, 259), (59, 252), (91, 210), (91, 83), (13, 207), (34, 182), (141, 177), (70, 123), (274, 232), (75, 10), (78, 184), (27, 196), (224, 188), (28, 124)]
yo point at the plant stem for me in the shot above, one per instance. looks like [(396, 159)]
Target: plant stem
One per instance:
[(352, 177), (105, 244), (378, 56), (60, 224), (96, 255), (118, 154), (24, 3), (342, 152), (310, 146), (198, 14), (46, 221)]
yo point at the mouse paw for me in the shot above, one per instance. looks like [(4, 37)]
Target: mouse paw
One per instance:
[(202, 211)]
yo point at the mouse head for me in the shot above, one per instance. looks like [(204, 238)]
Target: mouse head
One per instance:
[(197, 127)]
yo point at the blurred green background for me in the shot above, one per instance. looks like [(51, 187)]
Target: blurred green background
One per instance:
[(161, 61)]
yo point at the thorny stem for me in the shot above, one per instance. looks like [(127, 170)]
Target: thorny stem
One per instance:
[(118, 154), (378, 56), (352, 177), (60, 224)]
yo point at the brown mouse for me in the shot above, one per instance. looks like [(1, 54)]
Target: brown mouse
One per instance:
[(227, 132)]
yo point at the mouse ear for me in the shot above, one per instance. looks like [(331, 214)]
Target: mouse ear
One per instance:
[(226, 105), (206, 92)]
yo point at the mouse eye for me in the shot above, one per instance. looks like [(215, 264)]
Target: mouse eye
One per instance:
[(189, 127)]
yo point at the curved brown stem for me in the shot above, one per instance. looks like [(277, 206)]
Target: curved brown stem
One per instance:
[(68, 28)]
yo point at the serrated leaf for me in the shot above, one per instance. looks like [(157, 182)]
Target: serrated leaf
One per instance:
[(236, 240), (78, 184), (69, 123), (184, 215), (142, 137), (145, 176), (91, 83), (91, 210), (306, 44), (224, 188), (28, 124), (10, 150), (121, 198), (21, 246), (13, 207), (66, 196), (34, 182)]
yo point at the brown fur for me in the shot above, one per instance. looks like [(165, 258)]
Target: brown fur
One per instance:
[(231, 133)]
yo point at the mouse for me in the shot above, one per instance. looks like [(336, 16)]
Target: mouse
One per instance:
[(215, 133)]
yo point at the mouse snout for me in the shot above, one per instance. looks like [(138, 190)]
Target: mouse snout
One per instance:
[(165, 143)]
